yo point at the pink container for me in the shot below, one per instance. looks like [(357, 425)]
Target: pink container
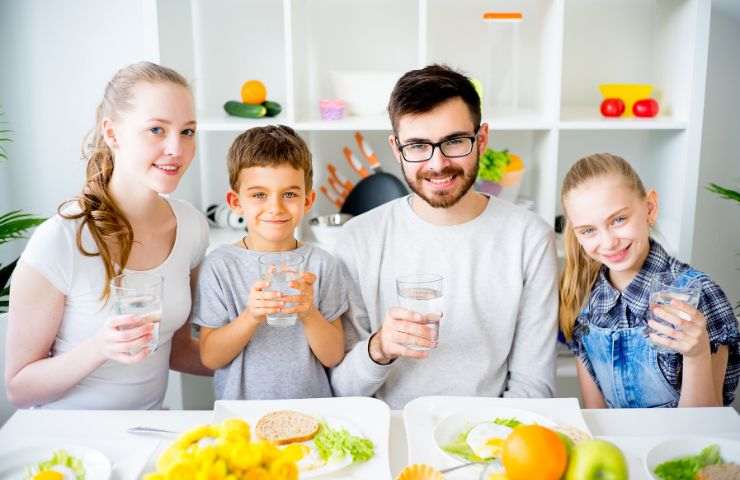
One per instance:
[(331, 109)]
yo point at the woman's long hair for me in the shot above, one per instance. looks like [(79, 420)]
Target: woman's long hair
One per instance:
[(580, 271), (98, 210)]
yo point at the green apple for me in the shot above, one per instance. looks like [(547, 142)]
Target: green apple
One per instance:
[(478, 87), (596, 460)]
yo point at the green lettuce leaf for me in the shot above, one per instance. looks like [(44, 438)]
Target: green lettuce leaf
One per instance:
[(330, 442), (686, 468), (460, 448)]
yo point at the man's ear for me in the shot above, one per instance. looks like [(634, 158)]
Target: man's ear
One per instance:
[(108, 132), (234, 202), (310, 199), (651, 198), (482, 138), (394, 147)]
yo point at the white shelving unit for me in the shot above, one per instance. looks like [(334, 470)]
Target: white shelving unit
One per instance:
[(567, 48)]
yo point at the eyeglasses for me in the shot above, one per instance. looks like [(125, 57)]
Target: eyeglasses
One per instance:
[(452, 148)]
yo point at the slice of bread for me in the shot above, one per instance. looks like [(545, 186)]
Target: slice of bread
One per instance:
[(723, 471), (286, 426)]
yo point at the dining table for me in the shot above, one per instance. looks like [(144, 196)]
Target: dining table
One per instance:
[(634, 431)]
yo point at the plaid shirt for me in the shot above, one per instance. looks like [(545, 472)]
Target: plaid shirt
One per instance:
[(610, 308)]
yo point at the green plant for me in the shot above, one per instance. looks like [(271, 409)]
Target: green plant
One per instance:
[(492, 164), (732, 195), (13, 225)]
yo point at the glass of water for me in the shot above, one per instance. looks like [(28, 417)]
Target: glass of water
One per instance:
[(140, 294), (666, 286), (279, 269), (422, 293)]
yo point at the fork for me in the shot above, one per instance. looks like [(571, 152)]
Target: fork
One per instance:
[(151, 431)]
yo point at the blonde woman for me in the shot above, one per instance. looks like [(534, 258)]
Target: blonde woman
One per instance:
[(692, 359), (65, 347)]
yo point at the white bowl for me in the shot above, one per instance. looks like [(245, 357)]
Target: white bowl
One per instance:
[(675, 448), (365, 92)]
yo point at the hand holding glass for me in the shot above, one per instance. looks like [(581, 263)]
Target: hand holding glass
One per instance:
[(279, 269), (423, 294), (664, 287), (139, 294)]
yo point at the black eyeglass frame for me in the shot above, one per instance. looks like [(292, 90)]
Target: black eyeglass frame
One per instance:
[(436, 145)]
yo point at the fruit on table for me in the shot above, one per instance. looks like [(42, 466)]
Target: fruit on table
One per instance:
[(596, 460), (253, 92), (646, 107), (240, 109), (273, 108), (612, 107), (534, 452)]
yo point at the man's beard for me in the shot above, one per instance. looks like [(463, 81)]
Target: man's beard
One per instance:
[(448, 199)]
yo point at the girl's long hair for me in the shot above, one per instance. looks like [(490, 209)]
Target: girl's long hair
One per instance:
[(580, 271), (98, 210)]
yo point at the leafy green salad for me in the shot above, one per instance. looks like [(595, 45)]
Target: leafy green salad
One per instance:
[(686, 468), (339, 442)]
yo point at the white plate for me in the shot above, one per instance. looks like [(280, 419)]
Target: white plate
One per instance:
[(13, 464), (422, 416), (678, 447), (367, 417), (451, 426)]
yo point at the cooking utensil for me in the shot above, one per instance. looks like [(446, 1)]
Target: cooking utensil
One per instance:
[(331, 220), (335, 185), (339, 177), (330, 195), (373, 190), (354, 163)]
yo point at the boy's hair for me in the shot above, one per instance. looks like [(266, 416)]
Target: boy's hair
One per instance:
[(580, 271), (419, 91), (269, 146)]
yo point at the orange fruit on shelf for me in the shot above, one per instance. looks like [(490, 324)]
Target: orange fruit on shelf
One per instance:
[(533, 452), (253, 92), (515, 163)]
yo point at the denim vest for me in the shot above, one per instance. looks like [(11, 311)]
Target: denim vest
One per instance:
[(625, 363)]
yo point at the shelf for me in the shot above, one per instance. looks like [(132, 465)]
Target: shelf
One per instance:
[(587, 118), (526, 120), (227, 123)]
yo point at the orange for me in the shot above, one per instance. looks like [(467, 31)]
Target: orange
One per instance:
[(515, 163), (532, 452), (254, 92)]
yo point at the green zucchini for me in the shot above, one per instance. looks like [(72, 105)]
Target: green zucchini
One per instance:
[(239, 109), (273, 108)]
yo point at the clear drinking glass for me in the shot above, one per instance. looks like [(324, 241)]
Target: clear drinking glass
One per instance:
[(422, 293), (279, 269), (666, 286), (140, 294)]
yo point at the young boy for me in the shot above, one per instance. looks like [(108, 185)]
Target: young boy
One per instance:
[(270, 175)]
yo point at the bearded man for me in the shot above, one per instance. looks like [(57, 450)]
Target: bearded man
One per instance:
[(498, 329)]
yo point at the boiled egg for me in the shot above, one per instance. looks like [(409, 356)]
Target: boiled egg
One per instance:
[(56, 472), (487, 439), (311, 459)]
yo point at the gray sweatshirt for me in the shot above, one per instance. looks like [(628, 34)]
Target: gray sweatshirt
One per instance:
[(499, 329)]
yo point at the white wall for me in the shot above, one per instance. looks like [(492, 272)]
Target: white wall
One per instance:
[(55, 59), (716, 238), (717, 223)]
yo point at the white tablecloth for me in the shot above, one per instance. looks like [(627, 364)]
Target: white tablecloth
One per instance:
[(634, 431)]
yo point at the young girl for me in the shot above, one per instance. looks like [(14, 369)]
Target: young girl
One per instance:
[(65, 348), (604, 301)]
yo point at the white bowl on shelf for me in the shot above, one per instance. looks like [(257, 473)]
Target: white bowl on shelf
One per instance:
[(365, 92)]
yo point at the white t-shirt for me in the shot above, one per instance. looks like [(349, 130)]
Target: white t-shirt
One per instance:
[(53, 252)]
